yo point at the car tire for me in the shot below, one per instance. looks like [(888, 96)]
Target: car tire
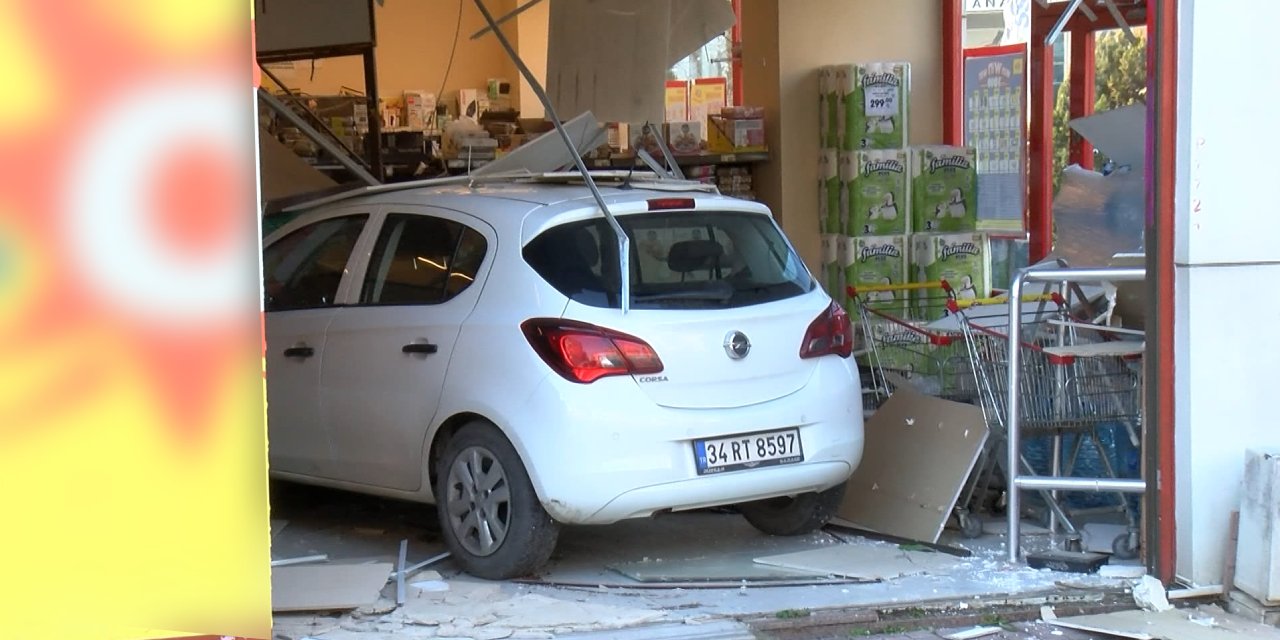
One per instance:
[(793, 515), (491, 518)]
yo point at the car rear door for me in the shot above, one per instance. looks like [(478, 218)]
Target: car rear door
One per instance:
[(304, 275), (387, 352)]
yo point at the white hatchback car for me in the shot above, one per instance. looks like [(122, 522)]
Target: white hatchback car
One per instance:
[(465, 345)]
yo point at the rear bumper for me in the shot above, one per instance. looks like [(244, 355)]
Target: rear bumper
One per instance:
[(604, 452)]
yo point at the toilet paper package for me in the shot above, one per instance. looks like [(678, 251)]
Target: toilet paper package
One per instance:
[(944, 189), (828, 103), (879, 200), (878, 260), (962, 259), (904, 349), (874, 105), (829, 192), (846, 167), (828, 274)]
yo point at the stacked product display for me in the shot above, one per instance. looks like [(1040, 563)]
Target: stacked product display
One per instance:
[(891, 214)]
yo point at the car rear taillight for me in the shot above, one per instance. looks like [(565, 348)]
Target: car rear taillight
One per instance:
[(829, 334), (585, 353)]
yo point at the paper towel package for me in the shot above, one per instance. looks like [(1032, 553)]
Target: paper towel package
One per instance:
[(879, 201), (874, 105), (829, 192), (962, 259), (944, 189), (878, 260)]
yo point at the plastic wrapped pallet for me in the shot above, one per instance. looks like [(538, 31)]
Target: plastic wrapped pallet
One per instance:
[(829, 275)]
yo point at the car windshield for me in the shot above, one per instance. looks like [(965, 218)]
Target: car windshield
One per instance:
[(679, 260)]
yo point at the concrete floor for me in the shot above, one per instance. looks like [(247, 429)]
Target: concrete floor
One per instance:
[(708, 553)]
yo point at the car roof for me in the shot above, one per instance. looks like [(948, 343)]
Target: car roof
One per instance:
[(527, 204)]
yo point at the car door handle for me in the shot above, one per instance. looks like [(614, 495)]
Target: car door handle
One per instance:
[(420, 347), (299, 352)]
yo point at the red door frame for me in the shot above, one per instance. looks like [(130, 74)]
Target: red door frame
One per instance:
[(1161, 136)]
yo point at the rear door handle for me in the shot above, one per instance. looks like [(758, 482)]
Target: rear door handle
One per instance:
[(420, 347), (299, 352)]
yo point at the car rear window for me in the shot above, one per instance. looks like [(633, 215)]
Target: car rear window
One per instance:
[(679, 260)]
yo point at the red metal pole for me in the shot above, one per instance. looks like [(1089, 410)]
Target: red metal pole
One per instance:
[(1040, 204), (1082, 93), (735, 51), (1162, 135), (952, 72)]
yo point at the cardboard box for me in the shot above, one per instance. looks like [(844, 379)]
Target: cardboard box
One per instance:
[(641, 136), (879, 200), (944, 189), (685, 137), (728, 135), (962, 259)]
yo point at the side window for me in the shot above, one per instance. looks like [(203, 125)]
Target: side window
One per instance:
[(303, 269), (421, 260)]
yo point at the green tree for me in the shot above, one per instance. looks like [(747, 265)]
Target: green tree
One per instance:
[(1120, 75)]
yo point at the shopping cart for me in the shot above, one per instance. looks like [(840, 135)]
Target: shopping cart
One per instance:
[(893, 322), (1074, 378)]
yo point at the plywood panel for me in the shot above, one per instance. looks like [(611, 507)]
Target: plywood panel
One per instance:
[(918, 453)]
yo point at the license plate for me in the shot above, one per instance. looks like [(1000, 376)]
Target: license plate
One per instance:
[(748, 451)]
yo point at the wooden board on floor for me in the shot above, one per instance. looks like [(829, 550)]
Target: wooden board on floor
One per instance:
[(918, 454), (864, 561), (1206, 623), (327, 587)]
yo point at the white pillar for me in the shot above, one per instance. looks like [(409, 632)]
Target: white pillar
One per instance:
[(1227, 254)]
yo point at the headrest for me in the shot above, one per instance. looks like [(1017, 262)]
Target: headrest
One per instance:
[(691, 255)]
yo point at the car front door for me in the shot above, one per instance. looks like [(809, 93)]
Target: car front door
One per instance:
[(387, 352), (303, 277)]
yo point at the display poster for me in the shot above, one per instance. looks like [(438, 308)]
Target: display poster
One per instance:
[(995, 125), (707, 97), (677, 101)]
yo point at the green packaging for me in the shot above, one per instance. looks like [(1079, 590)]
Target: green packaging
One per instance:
[(829, 192), (879, 200), (944, 189), (962, 259), (878, 260), (875, 109)]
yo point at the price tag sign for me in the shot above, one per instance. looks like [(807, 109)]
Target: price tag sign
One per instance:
[(881, 100)]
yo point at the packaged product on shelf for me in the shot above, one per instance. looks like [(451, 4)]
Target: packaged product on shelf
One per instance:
[(962, 259), (643, 135), (874, 105), (617, 136), (879, 200), (685, 137), (829, 192), (875, 261), (944, 189)]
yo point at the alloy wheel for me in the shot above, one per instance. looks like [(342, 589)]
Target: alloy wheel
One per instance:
[(478, 501)]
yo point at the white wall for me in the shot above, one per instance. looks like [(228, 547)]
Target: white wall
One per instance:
[(1227, 267)]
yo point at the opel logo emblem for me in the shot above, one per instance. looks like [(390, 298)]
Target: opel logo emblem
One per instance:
[(737, 345)]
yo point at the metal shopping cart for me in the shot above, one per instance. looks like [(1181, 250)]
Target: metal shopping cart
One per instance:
[(1075, 377), (893, 322)]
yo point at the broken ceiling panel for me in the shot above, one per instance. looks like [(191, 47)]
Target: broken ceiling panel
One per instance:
[(611, 56)]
